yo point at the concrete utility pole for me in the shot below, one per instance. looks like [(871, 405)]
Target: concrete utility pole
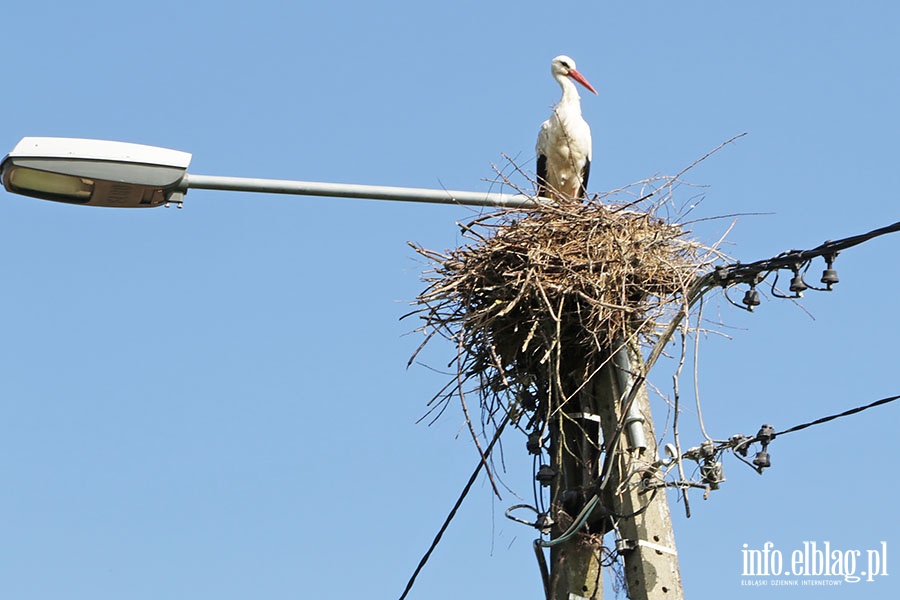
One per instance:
[(643, 524)]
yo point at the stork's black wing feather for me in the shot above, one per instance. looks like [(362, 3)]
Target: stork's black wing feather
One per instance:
[(542, 176), (585, 173)]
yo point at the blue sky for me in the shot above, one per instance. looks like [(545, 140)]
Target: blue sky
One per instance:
[(213, 402)]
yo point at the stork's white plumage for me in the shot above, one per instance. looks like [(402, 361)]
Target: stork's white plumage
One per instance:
[(564, 141)]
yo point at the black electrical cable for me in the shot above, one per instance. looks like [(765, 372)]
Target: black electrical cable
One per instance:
[(846, 413), (748, 272), (739, 442), (542, 565), (636, 513), (459, 501)]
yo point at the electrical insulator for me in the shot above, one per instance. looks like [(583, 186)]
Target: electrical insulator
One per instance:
[(765, 436), (533, 445), (762, 460), (829, 277), (707, 449), (740, 443), (797, 284), (751, 298), (544, 522), (712, 474), (545, 475)]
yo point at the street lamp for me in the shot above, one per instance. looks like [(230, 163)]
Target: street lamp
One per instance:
[(94, 172), (119, 174)]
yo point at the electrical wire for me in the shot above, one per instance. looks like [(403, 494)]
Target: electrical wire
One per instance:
[(846, 413), (455, 508), (542, 565), (739, 443), (585, 514), (793, 259), (577, 524)]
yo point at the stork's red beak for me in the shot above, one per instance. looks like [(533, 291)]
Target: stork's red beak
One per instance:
[(580, 79)]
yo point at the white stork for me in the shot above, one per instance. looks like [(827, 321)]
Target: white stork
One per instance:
[(564, 142)]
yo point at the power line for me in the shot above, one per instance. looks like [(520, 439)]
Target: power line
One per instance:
[(459, 501), (741, 443), (748, 272), (846, 413), (797, 261), (726, 276)]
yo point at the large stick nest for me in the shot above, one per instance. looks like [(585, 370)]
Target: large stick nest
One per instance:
[(539, 296)]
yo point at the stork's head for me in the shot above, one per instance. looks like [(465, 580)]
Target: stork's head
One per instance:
[(564, 66)]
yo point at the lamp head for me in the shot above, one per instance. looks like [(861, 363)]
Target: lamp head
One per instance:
[(95, 172)]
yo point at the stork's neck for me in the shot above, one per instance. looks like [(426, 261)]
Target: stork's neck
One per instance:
[(570, 97)]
